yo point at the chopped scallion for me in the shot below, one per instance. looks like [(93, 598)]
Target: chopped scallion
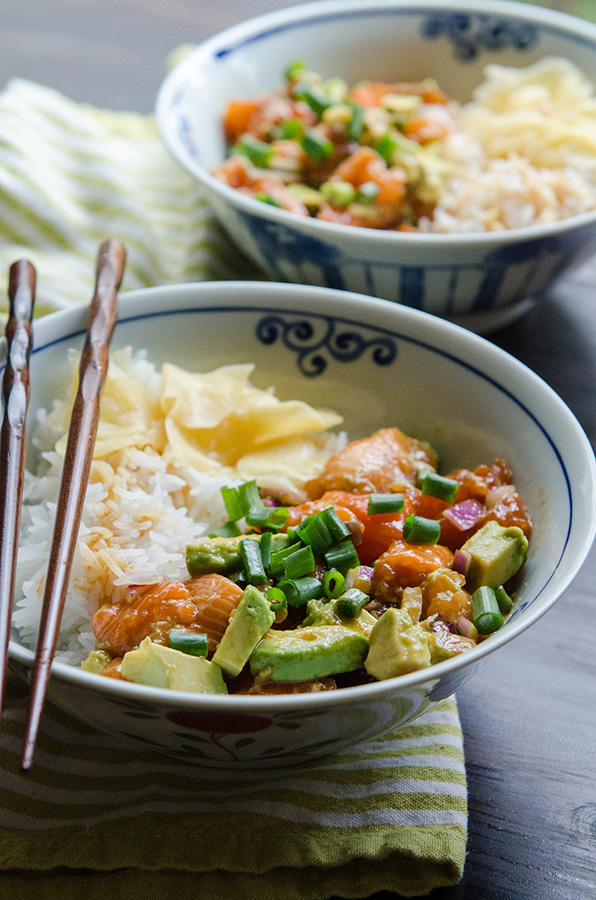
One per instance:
[(334, 584), (272, 517), (356, 126), (317, 146), (504, 600), (351, 603), (191, 642), (342, 556), (250, 553), (300, 590), (437, 486), (234, 503), (267, 198), (367, 192), (291, 129), (277, 599), (386, 147), (249, 495), (314, 532), (228, 529), (299, 563), (259, 152), (337, 528), (265, 542), (385, 503), (418, 530), (486, 614), (317, 99), (276, 565)]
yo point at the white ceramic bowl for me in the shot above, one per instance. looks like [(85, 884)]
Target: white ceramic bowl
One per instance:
[(432, 379), (482, 281)]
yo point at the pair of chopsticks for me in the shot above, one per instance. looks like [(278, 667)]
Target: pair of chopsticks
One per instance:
[(77, 461)]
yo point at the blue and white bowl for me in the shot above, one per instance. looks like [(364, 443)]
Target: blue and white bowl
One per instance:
[(378, 364), (482, 281)]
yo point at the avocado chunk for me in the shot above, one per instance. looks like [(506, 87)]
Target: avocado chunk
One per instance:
[(397, 646), (309, 653), (326, 613), (251, 619), (496, 553), (160, 666), (222, 554)]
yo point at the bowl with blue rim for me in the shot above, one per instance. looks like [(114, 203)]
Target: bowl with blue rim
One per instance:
[(378, 365), (483, 277)]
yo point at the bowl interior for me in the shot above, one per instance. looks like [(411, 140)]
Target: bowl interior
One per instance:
[(431, 379), (390, 41)]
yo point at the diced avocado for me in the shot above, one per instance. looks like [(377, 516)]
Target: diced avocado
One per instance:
[(160, 666), (96, 662), (248, 623), (496, 553), (325, 613), (222, 554), (397, 646), (309, 653), (442, 643)]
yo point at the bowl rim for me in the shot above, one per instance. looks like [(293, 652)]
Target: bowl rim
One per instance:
[(245, 31), (432, 332)]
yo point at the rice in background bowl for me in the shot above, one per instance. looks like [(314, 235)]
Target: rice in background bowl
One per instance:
[(480, 279), (403, 370)]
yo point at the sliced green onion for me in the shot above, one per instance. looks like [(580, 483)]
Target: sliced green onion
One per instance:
[(385, 503), (299, 563), (233, 502), (334, 584), (318, 147), (267, 198), (265, 542), (259, 152), (314, 532), (437, 486), (486, 614), (356, 126), (316, 97), (418, 530), (504, 600), (342, 556), (228, 529), (276, 565), (299, 591), (351, 603), (277, 599), (250, 553), (338, 529), (271, 517), (249, 496), (191, 642), (367, 192), (386, 147), (338, 193), (294, 69), (291, 129)]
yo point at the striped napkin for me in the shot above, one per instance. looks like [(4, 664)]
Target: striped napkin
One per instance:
[(93, 819), (389, 814)]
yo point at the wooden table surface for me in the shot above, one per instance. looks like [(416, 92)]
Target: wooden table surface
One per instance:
[(529, 714)]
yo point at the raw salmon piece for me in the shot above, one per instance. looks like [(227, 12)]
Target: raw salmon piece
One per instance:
[(407, 565), (372, 464)]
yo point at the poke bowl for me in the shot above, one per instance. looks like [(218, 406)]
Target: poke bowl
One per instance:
[(471, 222), (449, 391)]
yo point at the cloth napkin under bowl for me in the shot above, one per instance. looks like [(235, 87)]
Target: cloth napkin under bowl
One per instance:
[(92, 818)]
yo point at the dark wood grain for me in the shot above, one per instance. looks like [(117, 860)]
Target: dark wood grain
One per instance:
[(528, 714), (78, 456), (13, 439)]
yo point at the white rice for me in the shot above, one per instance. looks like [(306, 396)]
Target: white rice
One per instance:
[(140, 512)]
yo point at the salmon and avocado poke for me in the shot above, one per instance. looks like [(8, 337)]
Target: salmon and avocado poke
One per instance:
[(404, 156), (236, 543)]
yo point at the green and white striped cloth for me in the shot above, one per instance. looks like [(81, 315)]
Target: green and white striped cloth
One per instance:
[(96, 820), (93, 819)]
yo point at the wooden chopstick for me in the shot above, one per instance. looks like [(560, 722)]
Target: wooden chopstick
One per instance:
[(15, 390), (75, 474)]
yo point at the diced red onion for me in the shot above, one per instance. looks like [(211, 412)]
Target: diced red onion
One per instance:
[(464, 626), (452, 628), (466, 514), (361, 578), (461, 561)]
